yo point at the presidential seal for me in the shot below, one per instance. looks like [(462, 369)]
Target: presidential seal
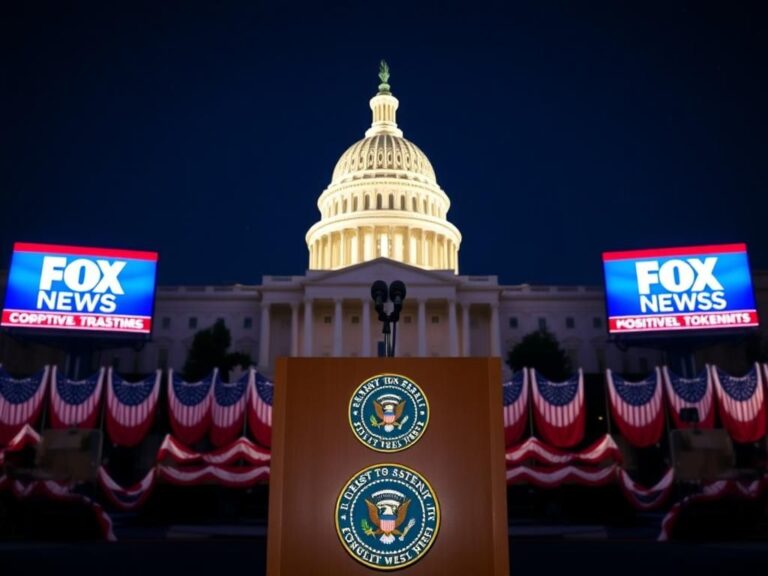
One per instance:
[(387, 516), (388, 412)]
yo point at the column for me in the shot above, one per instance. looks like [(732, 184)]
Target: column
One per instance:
[(422, 328), (342, 249), (294, 329), (495, 337), (308, 324), (337, 328), (264, 336), (424, 257), (366, 305), (407, 245), (453, 337), (465, 329)]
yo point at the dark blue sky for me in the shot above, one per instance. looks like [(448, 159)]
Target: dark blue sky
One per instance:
[(207, 131)]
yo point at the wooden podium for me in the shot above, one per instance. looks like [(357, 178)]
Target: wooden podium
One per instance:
[(315, 452)]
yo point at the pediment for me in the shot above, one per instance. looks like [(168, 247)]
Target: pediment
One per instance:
[(381, 269)]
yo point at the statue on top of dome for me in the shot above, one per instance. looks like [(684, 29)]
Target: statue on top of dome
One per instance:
[(384, 76)]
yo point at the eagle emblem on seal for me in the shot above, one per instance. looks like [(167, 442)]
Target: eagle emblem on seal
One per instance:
[(389, 409), (387, 514)]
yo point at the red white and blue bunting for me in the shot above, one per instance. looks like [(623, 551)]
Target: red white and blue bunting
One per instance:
[(515, 406), (637, 407), (189, 405), (227, 476), (21, 401), (561, 475), (741, 400), (718, 490), (695, 393), (131, 407), (260, 410), (228, 408), (27, 436), (603, 451), (647, 498), (75, 403), (559, 409), (241, 450), (130, 498)]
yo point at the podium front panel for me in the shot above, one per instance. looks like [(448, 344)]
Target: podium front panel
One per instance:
[(315, 452)]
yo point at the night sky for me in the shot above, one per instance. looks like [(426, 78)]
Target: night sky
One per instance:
[(207, 131)]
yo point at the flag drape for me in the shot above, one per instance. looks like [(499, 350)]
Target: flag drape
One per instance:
[(559, 409), (75, 403), (697, 392), (637, 407), (515, 406), (131, 407)]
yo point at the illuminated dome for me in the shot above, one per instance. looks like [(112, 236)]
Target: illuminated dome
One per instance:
[(383, 154), (383, 201)]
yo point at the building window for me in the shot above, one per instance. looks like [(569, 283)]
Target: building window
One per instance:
[(402, 202), (413, 204), (247, 322), (355, 319), (597, 322), (192, 323), (166, 323), (391, 201), (367, 203), (542, 324), (326, 319), (570, 322), (512, 322), (354, 204), (435, 319), (378, 201)]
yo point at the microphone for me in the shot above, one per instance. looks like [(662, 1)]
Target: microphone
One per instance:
[(379, 294), (397, 295)]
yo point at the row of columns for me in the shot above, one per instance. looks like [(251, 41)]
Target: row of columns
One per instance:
[(404, 244), (308, 330)]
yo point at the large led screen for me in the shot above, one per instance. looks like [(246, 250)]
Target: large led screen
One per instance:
[(72, 288), (670, 289)]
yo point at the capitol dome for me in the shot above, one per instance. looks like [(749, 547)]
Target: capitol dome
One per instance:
[(383, 153), (383, 201)]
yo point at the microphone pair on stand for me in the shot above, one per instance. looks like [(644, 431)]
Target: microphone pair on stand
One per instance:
[(380, 294)]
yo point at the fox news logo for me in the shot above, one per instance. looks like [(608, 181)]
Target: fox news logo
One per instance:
[(79, 285), (688, 285)]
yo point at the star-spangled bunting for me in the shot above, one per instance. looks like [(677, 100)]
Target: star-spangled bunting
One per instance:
[(21, 401), (637, 407), (697, 392), (559, 409), (741, 400), (260, 410), (189, 405), (228, 408), (131, 407), (515, 406), (75, 403)]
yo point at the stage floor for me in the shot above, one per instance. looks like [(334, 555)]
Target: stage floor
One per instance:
[(218, 555)]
